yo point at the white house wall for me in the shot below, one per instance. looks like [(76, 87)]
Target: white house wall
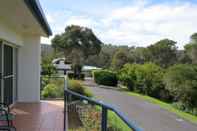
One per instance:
[(29, 70), (8, 34)]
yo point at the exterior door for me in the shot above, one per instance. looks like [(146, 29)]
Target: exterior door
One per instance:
[(8, 74), (7, 64)]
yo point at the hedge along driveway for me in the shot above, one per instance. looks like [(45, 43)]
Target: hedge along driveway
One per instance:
[(149, 116)]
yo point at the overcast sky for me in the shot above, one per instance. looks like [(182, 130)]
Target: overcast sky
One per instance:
[(126, 22)]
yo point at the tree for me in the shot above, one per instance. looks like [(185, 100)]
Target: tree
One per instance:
[(182, 57), (119, 59), (139, 55), (47, 67), (77, 40), (163, 52), (191, 48), (181, 81)]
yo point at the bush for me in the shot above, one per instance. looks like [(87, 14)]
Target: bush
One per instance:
[(82, 76), (76, 86), (50, 91), (182, 107), (127, 75), (47, 67), (181, 81), (73, 76), (149, 79), (70, 75), (105, 77), (145, 79)]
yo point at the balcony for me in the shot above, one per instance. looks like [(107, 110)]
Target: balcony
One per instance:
[(74, 112), (43, 116)]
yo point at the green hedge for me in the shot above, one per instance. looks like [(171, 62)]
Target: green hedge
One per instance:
[(105, 77)]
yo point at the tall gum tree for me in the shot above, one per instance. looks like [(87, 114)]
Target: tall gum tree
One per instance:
[(77, 43)]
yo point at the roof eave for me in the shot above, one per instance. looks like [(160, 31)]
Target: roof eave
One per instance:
[(35, 8)]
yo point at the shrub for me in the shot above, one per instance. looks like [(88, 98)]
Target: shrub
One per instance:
[(56, 81), (182, 107), (145, 79), (73, 76), (181, 81), (105, 77), (127, 75), (70, 75), (76, 86), (50, 91), (82, 76), (47, 67), (149, 79)]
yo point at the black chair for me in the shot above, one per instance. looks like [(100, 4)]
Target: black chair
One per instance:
[(6, 116), (6, 128)]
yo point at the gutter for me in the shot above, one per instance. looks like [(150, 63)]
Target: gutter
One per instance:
[(35, 8)]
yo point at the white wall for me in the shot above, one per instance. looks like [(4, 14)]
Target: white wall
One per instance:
[(10, 35), (29, 70)]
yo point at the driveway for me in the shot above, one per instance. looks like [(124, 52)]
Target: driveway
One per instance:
[(148, 116)]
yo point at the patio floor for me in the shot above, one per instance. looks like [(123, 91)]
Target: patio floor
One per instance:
[(43, 116)]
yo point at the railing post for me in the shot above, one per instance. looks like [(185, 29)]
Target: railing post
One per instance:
[(65, 101), (65, 105), (104, 119)]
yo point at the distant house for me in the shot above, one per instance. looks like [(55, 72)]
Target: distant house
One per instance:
[(87, 68), (61, 66)]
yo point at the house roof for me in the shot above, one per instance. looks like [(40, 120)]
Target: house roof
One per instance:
[(35, 8)]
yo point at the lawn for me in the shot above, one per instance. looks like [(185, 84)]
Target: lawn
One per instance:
[(115, 123), (167, 107)]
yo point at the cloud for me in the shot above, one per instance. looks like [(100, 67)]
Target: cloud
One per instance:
[(147, 24), (82, 21), (140, 23)]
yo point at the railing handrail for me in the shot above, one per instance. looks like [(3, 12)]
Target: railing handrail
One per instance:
[(130, 124), (123, 117)]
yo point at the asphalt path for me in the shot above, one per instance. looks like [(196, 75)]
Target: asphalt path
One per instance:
[(148, 116)]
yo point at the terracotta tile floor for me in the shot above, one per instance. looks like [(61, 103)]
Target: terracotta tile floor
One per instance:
[(43, 116)]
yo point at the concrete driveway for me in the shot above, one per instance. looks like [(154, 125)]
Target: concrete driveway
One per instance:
[(148, 116)]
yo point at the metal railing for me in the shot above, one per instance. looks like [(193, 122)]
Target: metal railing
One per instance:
[(86, 113), (72, 98)]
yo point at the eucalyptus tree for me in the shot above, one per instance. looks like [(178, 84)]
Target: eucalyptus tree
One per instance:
[(163, 53), (191, 48), (77, 43)]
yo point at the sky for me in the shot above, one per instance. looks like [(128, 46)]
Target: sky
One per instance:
[(125, 22)]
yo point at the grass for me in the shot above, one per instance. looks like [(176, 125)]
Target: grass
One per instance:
[(167, 107), (92, 121), (115, 123)]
